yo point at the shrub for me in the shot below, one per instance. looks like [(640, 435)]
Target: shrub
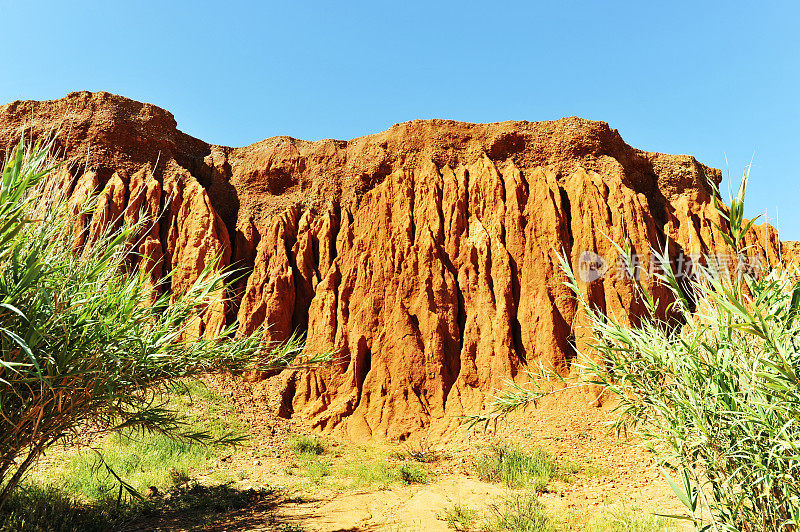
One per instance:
[(460, 517), (423, 451), (519, 513), (307, 445), (86, 345), (715, 389), (413, 473), (516, 468)]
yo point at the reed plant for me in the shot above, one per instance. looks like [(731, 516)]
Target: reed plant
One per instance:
[(88, 345), (714, 388)]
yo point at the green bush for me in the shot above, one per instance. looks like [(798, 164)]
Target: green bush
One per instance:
[(714, 386), (307, 445), (86, 345), (460, 517), (412, 473)]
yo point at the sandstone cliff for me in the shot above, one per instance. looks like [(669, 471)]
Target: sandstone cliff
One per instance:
[(426, 254)]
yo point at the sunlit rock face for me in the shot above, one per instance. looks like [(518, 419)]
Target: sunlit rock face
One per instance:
[(426, 256)]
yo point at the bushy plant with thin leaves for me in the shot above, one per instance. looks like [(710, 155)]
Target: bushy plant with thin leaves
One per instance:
[(715, 390), (519, 512), (86, 345)]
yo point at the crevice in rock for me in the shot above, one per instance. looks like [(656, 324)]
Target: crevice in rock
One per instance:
[(516, 327), (363, 365), (566, 205), (286, 407), (411, 213), (489, 276), (223, 196), (453, 359), (570, 352)]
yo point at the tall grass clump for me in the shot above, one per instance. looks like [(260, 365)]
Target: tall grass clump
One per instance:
[(517, 468), (88, 346), (714, 388)]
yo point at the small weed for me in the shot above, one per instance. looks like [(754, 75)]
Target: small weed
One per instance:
[(519, 513), (460, 517), (423, 451), (178, 476), (291, 528), (316, 470), (307, 445)]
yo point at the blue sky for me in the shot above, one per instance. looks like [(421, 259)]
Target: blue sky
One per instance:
[(712, 79)]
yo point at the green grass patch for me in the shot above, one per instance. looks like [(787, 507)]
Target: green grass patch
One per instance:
[(517, 468), (189, 507), (143, 459), (630, 521), (317, 470), (358, 468), (368, 474), (32, 508)]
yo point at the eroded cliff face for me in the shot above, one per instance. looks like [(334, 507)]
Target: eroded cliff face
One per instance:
[(426, 255)]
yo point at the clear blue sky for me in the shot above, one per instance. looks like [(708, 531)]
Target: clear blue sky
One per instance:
[(712, 79)]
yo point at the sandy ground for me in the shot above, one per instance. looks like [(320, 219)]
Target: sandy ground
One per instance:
[(616, 474)]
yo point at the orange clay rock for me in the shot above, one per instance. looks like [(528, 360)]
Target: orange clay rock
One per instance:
[(426, 256)]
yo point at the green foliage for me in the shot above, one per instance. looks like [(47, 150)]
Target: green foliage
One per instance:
[(143, 460), (517, 468), (34, 509), (86, 344), (714, 386), (460, 517), (307, 445), (413, 473), (368, 472), (737, 226), (629, 521)]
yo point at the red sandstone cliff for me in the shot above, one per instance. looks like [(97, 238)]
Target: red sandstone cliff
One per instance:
[(425, 254)]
